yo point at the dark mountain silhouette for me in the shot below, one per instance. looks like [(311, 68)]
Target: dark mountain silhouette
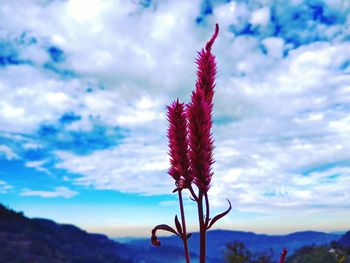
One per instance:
[(345, 240), (37, 240), (40, 240), (257, 243)]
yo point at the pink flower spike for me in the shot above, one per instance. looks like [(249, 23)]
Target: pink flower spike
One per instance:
[(200, 140), (199, 114), (178, 145), (207, 69)]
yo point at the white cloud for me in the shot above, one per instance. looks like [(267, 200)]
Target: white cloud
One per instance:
[(226, 14), (60, 191), (260, 16), (142, 112), (138, 165), (35, 163), (8, 152), (32, 145), (38, 165), (287, 121), (34, 98), (4, 187), (85, 11), (274, 46)]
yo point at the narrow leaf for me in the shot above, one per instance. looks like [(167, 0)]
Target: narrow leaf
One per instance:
[(217, 217), (178, 225), (189, 235)]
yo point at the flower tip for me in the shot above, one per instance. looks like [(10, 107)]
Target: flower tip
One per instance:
[(212, 40)]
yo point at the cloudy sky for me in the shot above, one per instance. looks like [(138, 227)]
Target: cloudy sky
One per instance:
[(84, 84)]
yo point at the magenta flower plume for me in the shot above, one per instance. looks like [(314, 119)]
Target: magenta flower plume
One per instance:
[(199, 114), (207, 69), (200, 140), (178, 145)]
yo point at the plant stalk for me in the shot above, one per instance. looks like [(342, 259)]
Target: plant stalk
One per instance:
[(202, 229), (184, 233)]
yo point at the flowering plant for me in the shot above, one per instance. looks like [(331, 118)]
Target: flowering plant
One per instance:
[(191, 151)]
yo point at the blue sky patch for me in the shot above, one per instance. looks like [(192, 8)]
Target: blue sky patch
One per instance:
[(10, 49), (206, 8), (325, 167), (9, 56), (69, 117), (56, 54), (325, 16), (80, 142), (21, 176), (145, 3), (64, 73), (249, 29)]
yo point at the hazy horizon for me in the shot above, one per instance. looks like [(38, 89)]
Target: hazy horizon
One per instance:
[(139, 231)]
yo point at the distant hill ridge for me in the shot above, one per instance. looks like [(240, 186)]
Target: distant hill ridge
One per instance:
[(40, 240), (345, 240), (217, 240)]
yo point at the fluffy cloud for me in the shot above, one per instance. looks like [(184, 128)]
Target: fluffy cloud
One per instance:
[(60, 191), (138, 165), (281, 104)]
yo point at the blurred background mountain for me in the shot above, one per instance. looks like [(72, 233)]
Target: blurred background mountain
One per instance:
[(25, 239)]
